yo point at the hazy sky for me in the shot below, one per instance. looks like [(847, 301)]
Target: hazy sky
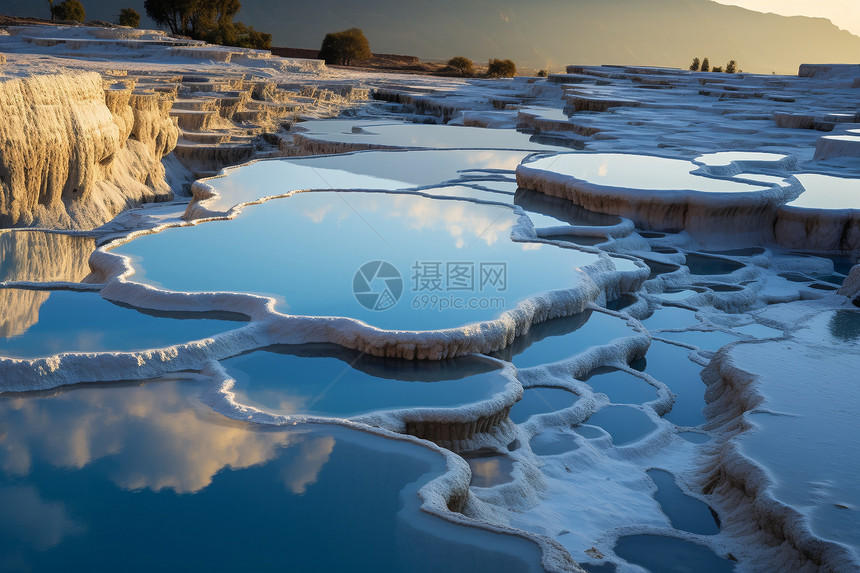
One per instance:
[(843, 13)]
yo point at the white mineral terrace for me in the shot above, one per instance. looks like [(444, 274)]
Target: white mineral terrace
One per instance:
[(612, 314)]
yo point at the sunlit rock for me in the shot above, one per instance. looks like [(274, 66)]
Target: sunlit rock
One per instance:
[(68, 159)]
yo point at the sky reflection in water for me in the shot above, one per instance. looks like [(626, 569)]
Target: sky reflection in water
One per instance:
[(148, 477), (455, 259)]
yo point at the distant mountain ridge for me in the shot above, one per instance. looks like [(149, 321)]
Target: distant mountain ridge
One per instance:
[(547, 33)]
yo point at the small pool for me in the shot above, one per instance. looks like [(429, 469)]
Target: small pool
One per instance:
[(679, 294), (658, 268), (827, 192), (326, 380), (44, 323), (710, 265), (553, 442), (541, 401), (621, 387), (670, 555), (670, 317), (748, 252), (581, 240), (489, 468), (589, 432), (669, 364), (547, 211), (629, 171), (562, 338), (625, 424), (686, 513)]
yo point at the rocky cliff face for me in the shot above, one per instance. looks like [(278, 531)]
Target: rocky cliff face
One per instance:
[(75, 152)]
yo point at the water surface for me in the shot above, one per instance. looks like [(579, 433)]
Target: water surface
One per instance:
[(621, 387), (361, 170), (547, 211), (562, 338), (489, 468), (625, 424), (660, 554), (327, 380), (669, 364), (541, 401), (553, 442), (827, 192), (684, 512), (670, 317), (450, 262), (706, 340), (727, 157), (436, 137), (146, 476), (709, 265), (38, 256), (66, 321), (629, 171), (806, 433)]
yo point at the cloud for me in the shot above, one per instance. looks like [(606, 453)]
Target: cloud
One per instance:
[(159, 436), (313, 455), (33, 522)]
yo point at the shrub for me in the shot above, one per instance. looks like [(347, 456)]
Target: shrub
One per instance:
[(460, 66), (543, 73), (70, 10), (501, 69), (694, 67), (345, 47), (210, 20), (732, 67), (238, 34), (717, 69), (706, 65), (129, 17)]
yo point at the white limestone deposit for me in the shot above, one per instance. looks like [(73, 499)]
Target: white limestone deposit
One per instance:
[(790, 450), (99, 120), (667, 369), (69, 158), (806, 211)]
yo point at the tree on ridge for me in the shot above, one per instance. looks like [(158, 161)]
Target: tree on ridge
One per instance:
[(461, 66), (501, 69), (71, 10), (345, 47), (129, 17), (210, 20)]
